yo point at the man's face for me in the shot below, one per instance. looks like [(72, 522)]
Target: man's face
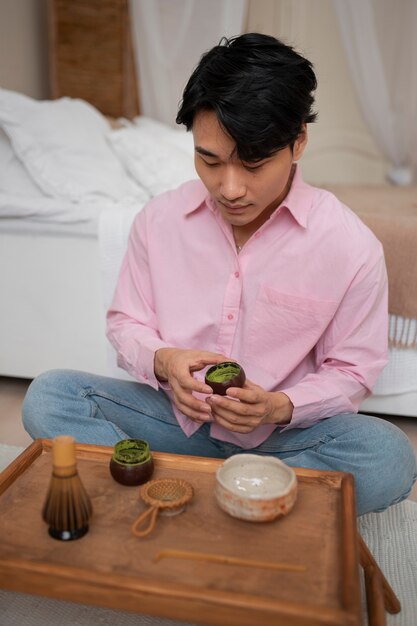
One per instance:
[(244, 192)]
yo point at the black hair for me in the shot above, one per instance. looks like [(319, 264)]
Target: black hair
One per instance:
[(259, 88)]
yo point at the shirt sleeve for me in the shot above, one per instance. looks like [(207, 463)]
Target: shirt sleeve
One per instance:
[(132, 326), (350, 355)]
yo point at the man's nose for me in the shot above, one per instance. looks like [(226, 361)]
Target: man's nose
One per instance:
[(232, 185)]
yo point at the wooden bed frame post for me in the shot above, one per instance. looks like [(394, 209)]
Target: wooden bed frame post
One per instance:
[(91, 54)]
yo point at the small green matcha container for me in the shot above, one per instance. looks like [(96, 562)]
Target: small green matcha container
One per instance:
[(132, 462), (224, 375)]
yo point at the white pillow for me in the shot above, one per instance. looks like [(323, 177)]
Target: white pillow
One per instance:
[(177, 136), (14, 178), (62, 143), (21, 197), (153, 156)]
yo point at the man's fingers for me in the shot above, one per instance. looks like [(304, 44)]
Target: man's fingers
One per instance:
[(195, 414), (186, 399), (189, 383), (228, 406), (235, 428), (202, 418), (248, 420), (212, 357), (192, 403), (248, 393), (209, 359)]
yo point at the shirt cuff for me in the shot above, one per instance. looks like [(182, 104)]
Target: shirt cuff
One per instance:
[(308, 409)]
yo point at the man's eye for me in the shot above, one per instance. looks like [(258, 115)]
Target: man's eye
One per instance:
[(253, 168), (210, 164)]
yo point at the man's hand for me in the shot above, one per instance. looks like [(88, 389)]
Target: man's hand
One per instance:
[(176, 366), (255, 407)]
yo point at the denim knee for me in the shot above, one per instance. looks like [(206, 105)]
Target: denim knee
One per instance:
[(391, 470), (39, 400)]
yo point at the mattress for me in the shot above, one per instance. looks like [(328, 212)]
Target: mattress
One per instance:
[(53, 315), (400, 374)]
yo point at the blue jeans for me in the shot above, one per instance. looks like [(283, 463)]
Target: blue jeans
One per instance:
[(100, 410)]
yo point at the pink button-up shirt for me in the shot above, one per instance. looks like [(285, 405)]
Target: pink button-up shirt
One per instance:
[(303, 307)]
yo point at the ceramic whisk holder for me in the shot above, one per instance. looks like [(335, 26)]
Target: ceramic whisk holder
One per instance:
[(131, 463)]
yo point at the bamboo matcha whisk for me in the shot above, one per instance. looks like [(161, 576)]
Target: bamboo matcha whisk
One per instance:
[(67, 507)]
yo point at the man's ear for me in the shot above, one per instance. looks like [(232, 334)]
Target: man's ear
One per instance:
[(300, 143)]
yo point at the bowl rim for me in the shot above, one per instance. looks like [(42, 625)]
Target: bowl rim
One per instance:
[(218, 366), (257, 457), (144, 456)]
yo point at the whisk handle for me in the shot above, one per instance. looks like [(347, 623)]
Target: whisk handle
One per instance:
[(153, 513)]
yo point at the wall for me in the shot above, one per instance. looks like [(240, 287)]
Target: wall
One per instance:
[(340, 148), (23, 47)]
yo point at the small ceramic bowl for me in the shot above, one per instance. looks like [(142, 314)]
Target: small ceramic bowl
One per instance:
[(131, 463), (255, 488), (224, 375)]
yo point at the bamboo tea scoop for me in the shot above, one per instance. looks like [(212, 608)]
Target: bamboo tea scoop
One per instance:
[(168, 495), (226, 560)]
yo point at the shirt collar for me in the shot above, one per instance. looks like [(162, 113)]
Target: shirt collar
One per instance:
[(195, 199), (298, 200)]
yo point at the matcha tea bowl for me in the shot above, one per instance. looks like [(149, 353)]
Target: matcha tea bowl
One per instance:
[(131, 463), (224, 375), (255, 488)]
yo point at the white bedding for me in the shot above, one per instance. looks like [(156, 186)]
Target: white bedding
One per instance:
[(60, 252), (60, 174), (61, 162), (30, 226), (63, 146)]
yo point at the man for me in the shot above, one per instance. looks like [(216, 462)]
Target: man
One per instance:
[(250, 264)]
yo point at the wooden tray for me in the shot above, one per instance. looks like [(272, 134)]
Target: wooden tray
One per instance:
[(110, 567)]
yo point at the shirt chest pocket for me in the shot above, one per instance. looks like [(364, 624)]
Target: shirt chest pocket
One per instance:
[(284, 329)]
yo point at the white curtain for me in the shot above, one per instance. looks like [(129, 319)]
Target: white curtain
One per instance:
[(380, 39), (169, 37)]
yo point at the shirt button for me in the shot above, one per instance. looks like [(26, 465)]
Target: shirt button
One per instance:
[(230, 316), (145, 376), (237, 274), (257, 235)]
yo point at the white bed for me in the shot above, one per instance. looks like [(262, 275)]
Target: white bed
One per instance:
[(52, 306), (64, 220), (62, 168)]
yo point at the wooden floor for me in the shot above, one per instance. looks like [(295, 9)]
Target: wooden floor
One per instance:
[(12, 392)]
